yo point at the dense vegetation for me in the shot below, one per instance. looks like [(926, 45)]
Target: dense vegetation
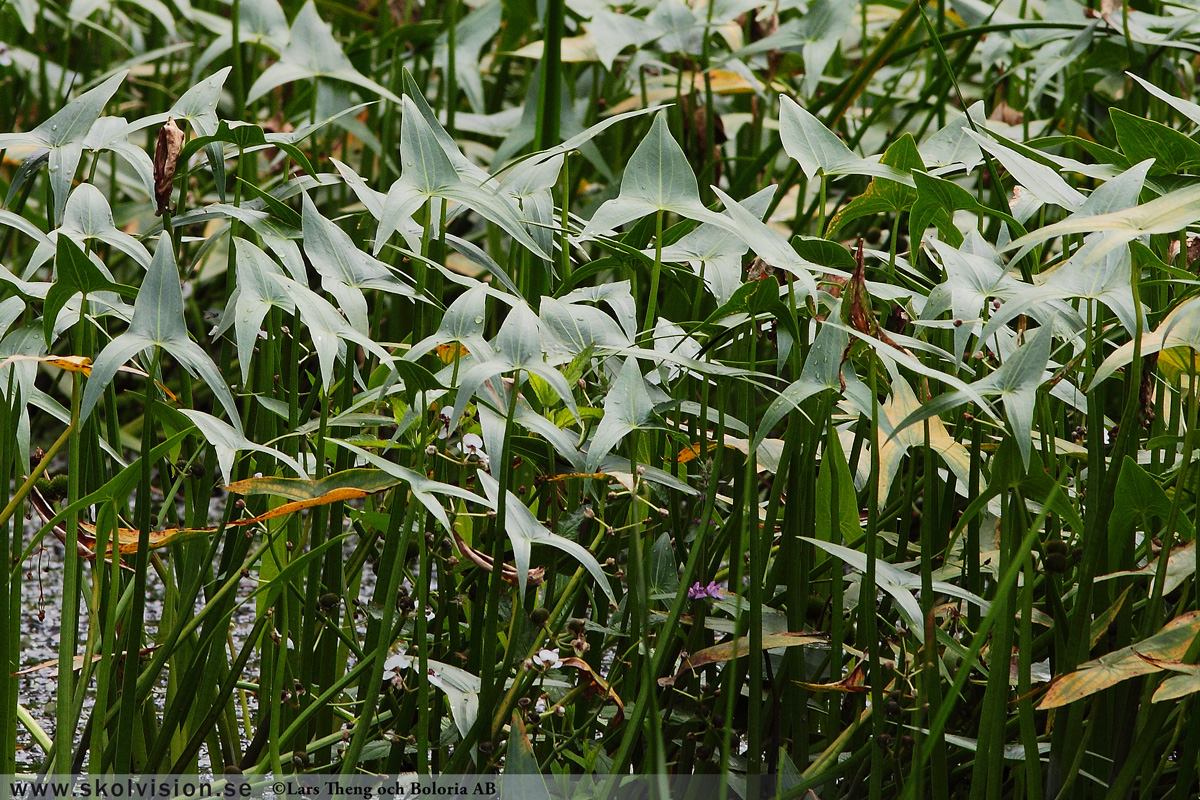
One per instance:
[(803, 389)]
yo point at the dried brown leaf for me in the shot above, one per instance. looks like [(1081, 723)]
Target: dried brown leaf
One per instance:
[(166, 158)]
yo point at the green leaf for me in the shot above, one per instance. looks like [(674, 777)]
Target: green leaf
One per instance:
[(328, 328), (658, 171), (228, 440), (472, 33), (1185, 107), (572, 328), (883, 194), (824, 253), (1167, 214), (847, 526), (256, 294), (627, 407), (1143, 139), (63, 135), (462, 691), (463, 323), (247, 138), (88, 217), (1042, 182), (806, 140), (158, 321), (416, 379), (524, 530), (822, 370), (657, 178), (75, 120), (27, 12), (768, 244), (75, 274), (971, 281), (664, 571), (1181, 328), (260, 22), (522, 765), (425, 164), (414, 93), (1016, 383), (312, 52), (937, 200), (429, 171), (899, 583), (344, 269), (424, 490), (821, 31), (819, 151)]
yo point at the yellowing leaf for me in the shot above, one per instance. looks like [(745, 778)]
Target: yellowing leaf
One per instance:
[(725, 651), (623, 478), (900, 405), (82, 364), (1185, 683), (659, 91), (1176, 687), (1174, 363), (724, 81), (855, 682), (451, 352), (597, 685), (127, 538), (16, 155), (51, 666), (362, 481), (692, 452), (575, 50), (351, 484), (1169, 644)]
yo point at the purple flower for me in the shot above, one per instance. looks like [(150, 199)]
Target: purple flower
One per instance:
[(698, 592)]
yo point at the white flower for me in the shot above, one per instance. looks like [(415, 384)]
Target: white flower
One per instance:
[(547, 659), (395, 663), (471, 446)]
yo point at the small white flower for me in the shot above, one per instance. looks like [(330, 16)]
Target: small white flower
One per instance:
[(396, 663), (430, 612), (547, 659), (471, 446)]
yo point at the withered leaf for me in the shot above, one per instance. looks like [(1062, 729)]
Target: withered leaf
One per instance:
[(166, 157), (596, 686), (537, 575)]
